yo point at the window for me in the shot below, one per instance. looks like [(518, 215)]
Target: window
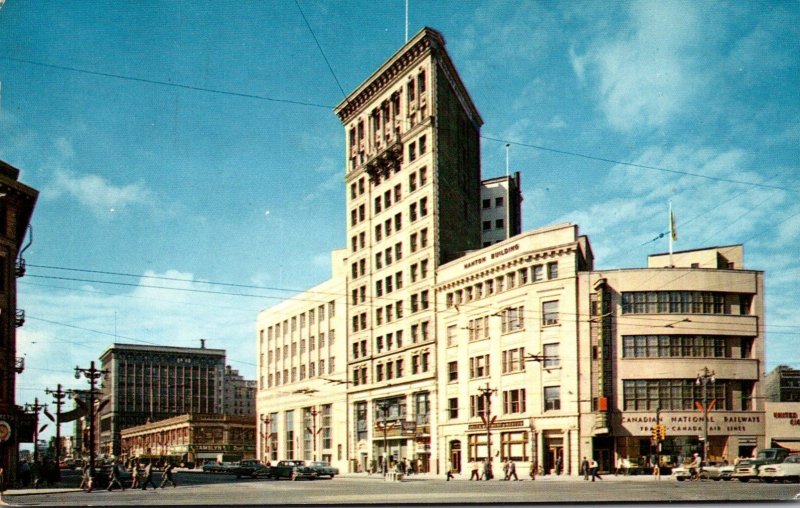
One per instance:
[(451, 335), (551, 358), (550, 313), (379, 260), (479, 366), (498, 201), (514, 401), (538, 273), (514, 360), (423, 141), (423, 237), (379, 372), (426, 362), (499, 224), (415, 364), (675, 346), (412, 182), (398, 193), (412, 212), (552, 398), (377, 204), (679, 302), (452, 408), (452, 371), (423, 176), (387, 199), (477, 405), (487, 225), (674, 394), (513, 319), (289, 426), (552, 270), (423, 207), (412, 152), (478, 328), (487, 203), (398, 221)]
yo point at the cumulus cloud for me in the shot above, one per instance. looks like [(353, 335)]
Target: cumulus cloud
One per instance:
[(96, 193), (647, 74)]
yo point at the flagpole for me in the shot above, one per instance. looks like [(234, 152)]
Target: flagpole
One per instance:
[(671, 234)]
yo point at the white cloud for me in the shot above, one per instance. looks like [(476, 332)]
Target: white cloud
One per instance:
[(646, 75), (96, 193)]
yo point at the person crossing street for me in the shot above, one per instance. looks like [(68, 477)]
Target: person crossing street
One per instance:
[(166, 476)]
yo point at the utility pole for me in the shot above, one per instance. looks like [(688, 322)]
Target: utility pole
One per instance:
[(92, 374), (488, 421), (58, 396), (707, 376), (34, 408)]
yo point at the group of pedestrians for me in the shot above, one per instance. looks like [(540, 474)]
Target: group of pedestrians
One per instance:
[(589, 469), (37, 473), (140, 478)]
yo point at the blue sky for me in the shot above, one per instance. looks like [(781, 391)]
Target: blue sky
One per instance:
[(246, 187)]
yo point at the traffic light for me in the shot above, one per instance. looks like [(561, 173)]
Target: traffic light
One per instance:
[(662, 432), (654, 434)]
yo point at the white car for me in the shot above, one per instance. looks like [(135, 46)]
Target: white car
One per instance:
[(713, 471), (786, 471)]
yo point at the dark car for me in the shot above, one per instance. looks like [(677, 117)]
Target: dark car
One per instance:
[(293, 469), (218, 467), (323, 469), (102, 477), (249, 467)]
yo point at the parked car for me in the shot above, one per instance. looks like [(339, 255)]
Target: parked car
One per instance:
[(293, 469), (323, 469), (786, 471), (748, 469), (249, 467), (218, 467), (713, 471)]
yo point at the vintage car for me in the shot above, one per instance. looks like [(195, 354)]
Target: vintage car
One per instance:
[(714, 471), (748, 469), (323, 469), (786, 471), (292, 469), (249, 467), (218, 467)]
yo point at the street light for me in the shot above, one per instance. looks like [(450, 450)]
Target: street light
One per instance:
[(488, 420), (707, 376), (267, 420), (384, 408), (92, 374), (313, 412)]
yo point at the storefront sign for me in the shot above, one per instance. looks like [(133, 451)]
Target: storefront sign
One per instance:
[(791, 416), (683, 424), (511, 424)]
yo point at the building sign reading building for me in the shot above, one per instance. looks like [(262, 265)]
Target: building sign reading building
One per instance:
[(493, 255)]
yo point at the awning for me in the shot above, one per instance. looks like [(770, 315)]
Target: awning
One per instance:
[(791, 444)]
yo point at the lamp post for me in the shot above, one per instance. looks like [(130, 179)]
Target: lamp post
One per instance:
[(92, 374), (267, 420), (313, 430), (707, 376), (384, 408), (488, 420)]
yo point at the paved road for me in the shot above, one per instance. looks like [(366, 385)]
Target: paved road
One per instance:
[(225, 490)]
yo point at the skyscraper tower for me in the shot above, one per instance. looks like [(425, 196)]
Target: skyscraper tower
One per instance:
[(413, 203)]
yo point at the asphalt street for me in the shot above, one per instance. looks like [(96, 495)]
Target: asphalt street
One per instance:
[(205, 489)]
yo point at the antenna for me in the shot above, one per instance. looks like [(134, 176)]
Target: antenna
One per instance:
[(406, 21), (508, 146)]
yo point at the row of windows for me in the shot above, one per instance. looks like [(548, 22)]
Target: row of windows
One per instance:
[(386, 256), (417, 271), (676, 346), (391, 312), (513, 445), (685, 302), (386, 228), (512, 320), (487, 202), (275, 354), (498, 224), (514, 402), (510, 280), (674, 394), (393, 340), (310, 317), (299, 374), (389, 284)]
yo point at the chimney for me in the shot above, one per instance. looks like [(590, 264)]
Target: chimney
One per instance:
[(202, 343)]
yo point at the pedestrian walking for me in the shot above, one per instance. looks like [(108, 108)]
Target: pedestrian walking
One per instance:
[(585, 468), (450, 474), (476, 475), (148, 477), (512, 471), (487, 470), (135, 475), (593, 466), (113, 478), (559, 462), (534, 469), (505, 471), (166, 476), (25, 473)]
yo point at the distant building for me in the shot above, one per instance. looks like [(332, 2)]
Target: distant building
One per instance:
[(148, 383), (782, 385), (501, 213), (239, 396), (16, 207), (191, 439)]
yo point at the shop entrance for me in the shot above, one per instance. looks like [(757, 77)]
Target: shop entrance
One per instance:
[(553, 454), (455, 456)]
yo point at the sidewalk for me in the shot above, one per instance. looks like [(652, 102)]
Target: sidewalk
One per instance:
[(546, 478)]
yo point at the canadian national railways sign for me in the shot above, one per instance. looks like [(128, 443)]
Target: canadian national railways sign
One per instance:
[(681, 424)]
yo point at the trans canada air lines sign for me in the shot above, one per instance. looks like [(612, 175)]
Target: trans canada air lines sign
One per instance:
[(692, 424)]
